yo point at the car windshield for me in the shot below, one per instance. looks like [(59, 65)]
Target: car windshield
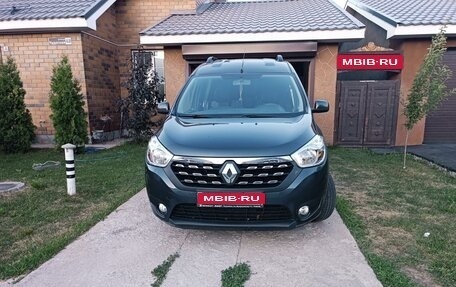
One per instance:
[(241, 95)]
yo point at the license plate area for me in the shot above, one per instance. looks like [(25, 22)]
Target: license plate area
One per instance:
[(231, 199)]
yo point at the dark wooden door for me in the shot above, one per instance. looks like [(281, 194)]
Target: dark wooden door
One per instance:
[(367, 113), (441, 123), (352, 110)]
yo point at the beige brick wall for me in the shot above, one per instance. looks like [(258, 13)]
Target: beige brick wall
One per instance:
[(100, 59), (416, 50), (134, 16), (325, 88), (35, 58), (175, 73)]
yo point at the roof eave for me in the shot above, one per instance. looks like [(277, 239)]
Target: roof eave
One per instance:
[(319, 35), (383, 23), (95, 14), (57, 24), (77, 23), (404, 31), (398, 30), (96, 7)]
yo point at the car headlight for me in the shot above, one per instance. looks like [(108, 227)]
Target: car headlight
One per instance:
[(311, 154), (157, 154)]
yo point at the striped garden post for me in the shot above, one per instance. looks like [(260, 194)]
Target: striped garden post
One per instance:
[(70, 172)]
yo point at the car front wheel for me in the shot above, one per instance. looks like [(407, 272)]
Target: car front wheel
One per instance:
[(329, 202)]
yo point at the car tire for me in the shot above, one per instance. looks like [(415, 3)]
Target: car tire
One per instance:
[(329, 201)]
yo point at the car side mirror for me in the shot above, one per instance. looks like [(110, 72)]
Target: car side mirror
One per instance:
[(320, 106), (163, 108)]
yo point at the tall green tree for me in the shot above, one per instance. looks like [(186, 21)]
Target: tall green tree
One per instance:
[(429, 86), (67, 105), (16, 128)]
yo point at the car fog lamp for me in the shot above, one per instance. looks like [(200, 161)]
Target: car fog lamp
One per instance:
[(304, 210), (162, 208)]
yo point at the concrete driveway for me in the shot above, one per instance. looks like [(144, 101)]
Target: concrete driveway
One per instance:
[(123, 249)]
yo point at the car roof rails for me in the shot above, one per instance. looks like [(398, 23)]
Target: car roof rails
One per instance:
[(279, 58), (211, 60)]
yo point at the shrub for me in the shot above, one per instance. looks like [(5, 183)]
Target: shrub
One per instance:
[(67, 105), (143, 95), (16, 128)]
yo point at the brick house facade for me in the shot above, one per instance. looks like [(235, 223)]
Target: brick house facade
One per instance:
[(35, 61), (101, 54), (408, 29), (99, 58)]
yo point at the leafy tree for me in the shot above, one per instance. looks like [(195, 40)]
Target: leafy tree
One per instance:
[(67, 105), (429, 86), (16, 128), (143, 95)]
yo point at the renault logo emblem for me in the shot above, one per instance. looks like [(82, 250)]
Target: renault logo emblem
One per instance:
[(229, 172)]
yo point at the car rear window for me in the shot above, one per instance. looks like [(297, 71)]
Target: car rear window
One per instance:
[(241, 95)]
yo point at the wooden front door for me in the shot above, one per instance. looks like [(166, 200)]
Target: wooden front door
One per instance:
[(367, 112)]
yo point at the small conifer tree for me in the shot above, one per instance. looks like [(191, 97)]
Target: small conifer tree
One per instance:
[(16, 128), (67, 105)]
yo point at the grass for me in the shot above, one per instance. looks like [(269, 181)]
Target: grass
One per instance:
[(236, 276), (388, 210), (42, 219), (162, 270)]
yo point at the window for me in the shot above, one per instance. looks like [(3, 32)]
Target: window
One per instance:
[(153, 58)]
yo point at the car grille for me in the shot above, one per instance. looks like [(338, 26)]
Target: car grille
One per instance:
[(267, 213), (251, 175)]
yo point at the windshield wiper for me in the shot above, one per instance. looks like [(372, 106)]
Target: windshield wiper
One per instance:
[(193, 116), (260, 115), (273, 115)]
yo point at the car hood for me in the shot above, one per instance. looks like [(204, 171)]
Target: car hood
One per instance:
[(234, 137)]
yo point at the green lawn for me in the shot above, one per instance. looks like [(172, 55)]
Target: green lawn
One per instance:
[(389, 210), (41, 220)]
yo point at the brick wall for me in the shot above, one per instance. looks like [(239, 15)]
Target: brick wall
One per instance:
[(99, 59), (414, 49), (102, 72), (35, 58), (175, 69), (134, 16), (325, 88)]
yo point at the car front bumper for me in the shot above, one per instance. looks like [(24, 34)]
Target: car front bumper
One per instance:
[(302, 187)]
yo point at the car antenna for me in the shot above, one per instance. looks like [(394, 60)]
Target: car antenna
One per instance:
[(242, 65), (242, 71)]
